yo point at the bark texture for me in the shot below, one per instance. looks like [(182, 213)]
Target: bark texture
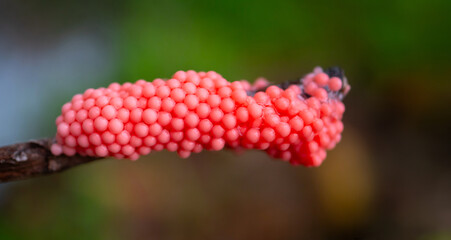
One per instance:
[(33, 158)]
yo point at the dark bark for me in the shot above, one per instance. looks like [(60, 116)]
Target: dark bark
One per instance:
[(33, 158)]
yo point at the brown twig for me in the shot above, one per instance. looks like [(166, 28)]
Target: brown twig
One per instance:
[(33, 158)]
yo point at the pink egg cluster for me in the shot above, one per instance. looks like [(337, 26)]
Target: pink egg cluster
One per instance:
[(193, 111)]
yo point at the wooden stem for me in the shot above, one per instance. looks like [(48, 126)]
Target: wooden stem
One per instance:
[(33, 158)]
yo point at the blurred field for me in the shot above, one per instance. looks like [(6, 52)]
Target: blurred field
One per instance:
[(389, 178)]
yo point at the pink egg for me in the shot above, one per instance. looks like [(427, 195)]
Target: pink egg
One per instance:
[(130, 103)]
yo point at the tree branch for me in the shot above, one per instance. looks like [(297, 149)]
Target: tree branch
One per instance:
[(33, 158)]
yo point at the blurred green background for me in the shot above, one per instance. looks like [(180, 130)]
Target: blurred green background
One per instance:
[(389, 178)]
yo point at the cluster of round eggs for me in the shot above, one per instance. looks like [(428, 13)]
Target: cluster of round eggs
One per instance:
[(193, 111)]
